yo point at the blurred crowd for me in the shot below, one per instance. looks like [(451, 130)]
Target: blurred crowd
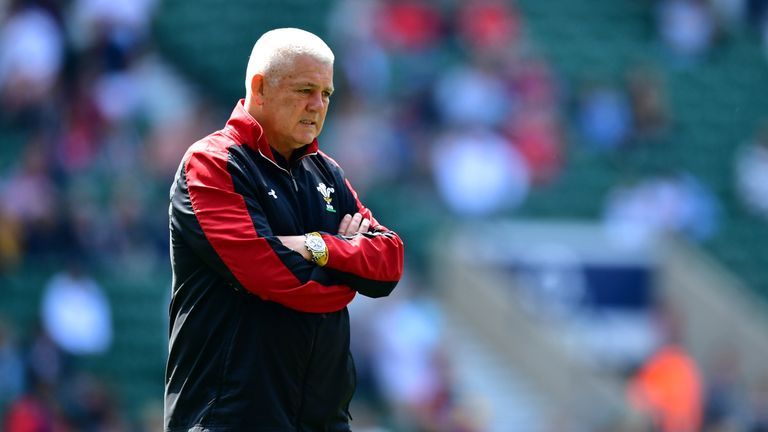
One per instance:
[(95, 122), (92, 124), (448, 98), (462, 102), (45, 381), (691, 30)]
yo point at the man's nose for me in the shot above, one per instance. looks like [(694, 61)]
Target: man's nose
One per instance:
[(315, 102)]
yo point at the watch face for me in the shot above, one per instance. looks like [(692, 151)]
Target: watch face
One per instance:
[(315, 243)]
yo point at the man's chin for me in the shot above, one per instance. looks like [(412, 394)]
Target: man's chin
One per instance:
[(306, 140)]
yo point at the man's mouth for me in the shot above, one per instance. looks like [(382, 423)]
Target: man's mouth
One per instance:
[(307, 122)]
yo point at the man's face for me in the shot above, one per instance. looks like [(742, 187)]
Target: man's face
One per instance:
[(294, 108)]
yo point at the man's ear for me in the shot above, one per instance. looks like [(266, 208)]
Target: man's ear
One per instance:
[(257, 88)]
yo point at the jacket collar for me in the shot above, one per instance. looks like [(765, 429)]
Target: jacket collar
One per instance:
[(249, 132)]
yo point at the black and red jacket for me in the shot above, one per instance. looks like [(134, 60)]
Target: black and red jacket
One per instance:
[(259, 337)]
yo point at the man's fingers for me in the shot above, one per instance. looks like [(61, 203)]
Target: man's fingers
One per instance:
[(354, 225), (344, 225), (350, 225), (364, 225)]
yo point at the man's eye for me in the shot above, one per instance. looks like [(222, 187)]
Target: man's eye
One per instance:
[(326, 94), (305, 91)]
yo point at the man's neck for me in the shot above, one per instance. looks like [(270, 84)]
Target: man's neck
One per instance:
[(253, 110), (285, 155), (283, 159)]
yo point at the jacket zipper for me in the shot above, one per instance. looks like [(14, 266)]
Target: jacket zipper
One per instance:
[(290, 174)]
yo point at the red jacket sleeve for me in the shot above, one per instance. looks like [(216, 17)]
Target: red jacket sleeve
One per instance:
[(231, 223), (376, 256)]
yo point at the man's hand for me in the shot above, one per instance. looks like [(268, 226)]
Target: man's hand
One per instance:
[(351, 225), (296, 243)]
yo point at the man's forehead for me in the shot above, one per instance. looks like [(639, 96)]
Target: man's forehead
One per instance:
[(310, 79)]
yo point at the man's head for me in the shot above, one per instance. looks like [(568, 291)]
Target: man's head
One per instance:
[(288, 85)]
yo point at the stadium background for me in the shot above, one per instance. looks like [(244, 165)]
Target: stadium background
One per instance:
[(630, 134)]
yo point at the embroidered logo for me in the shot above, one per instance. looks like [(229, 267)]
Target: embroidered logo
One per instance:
[(326, 192), (272, 193)]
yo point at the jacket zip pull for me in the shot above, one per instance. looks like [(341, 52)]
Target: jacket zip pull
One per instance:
[(295, 185)]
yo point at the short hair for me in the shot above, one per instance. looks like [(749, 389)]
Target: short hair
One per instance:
[(277, 48)]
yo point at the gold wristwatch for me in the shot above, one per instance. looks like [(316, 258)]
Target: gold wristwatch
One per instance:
[(316, 246)]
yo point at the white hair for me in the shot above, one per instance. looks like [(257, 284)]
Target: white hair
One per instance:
[(277, 48)]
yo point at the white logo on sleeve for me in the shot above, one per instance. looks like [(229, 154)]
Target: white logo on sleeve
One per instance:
[(272, 193)]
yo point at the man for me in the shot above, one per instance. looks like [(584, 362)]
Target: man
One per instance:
[(269, 243)]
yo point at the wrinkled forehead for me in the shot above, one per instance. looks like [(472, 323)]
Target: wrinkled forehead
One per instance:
[(304, 68)]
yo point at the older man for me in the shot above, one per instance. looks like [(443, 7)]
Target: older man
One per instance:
[(269, 243)]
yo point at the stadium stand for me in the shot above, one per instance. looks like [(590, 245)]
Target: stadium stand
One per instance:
[(715, 106)]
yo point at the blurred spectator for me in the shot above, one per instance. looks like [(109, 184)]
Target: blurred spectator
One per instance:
[(367, 70), (117, 97), (472, 94), (171, 136), (12, 379), (488, 26), (31, 413), (91, 406), (752, 172), (165, 96), (731, 14), (366, 66), (407, 362), (29, 193), (79, 141), (604, 115), (31, 57), (46, 362), (648, 104), (478, 172), (91, 231), (132, 240), (535, 133), (120, 25), (667, 204), (532, 81), (411, 32), (409, 25), (353, 21), (10, 240), (76, 313), (532, 123), (38, 409), (30, 197), (687, 29), (369, 159), (668, 386), (726, 404)]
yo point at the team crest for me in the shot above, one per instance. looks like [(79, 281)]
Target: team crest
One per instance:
[(326, 192)]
